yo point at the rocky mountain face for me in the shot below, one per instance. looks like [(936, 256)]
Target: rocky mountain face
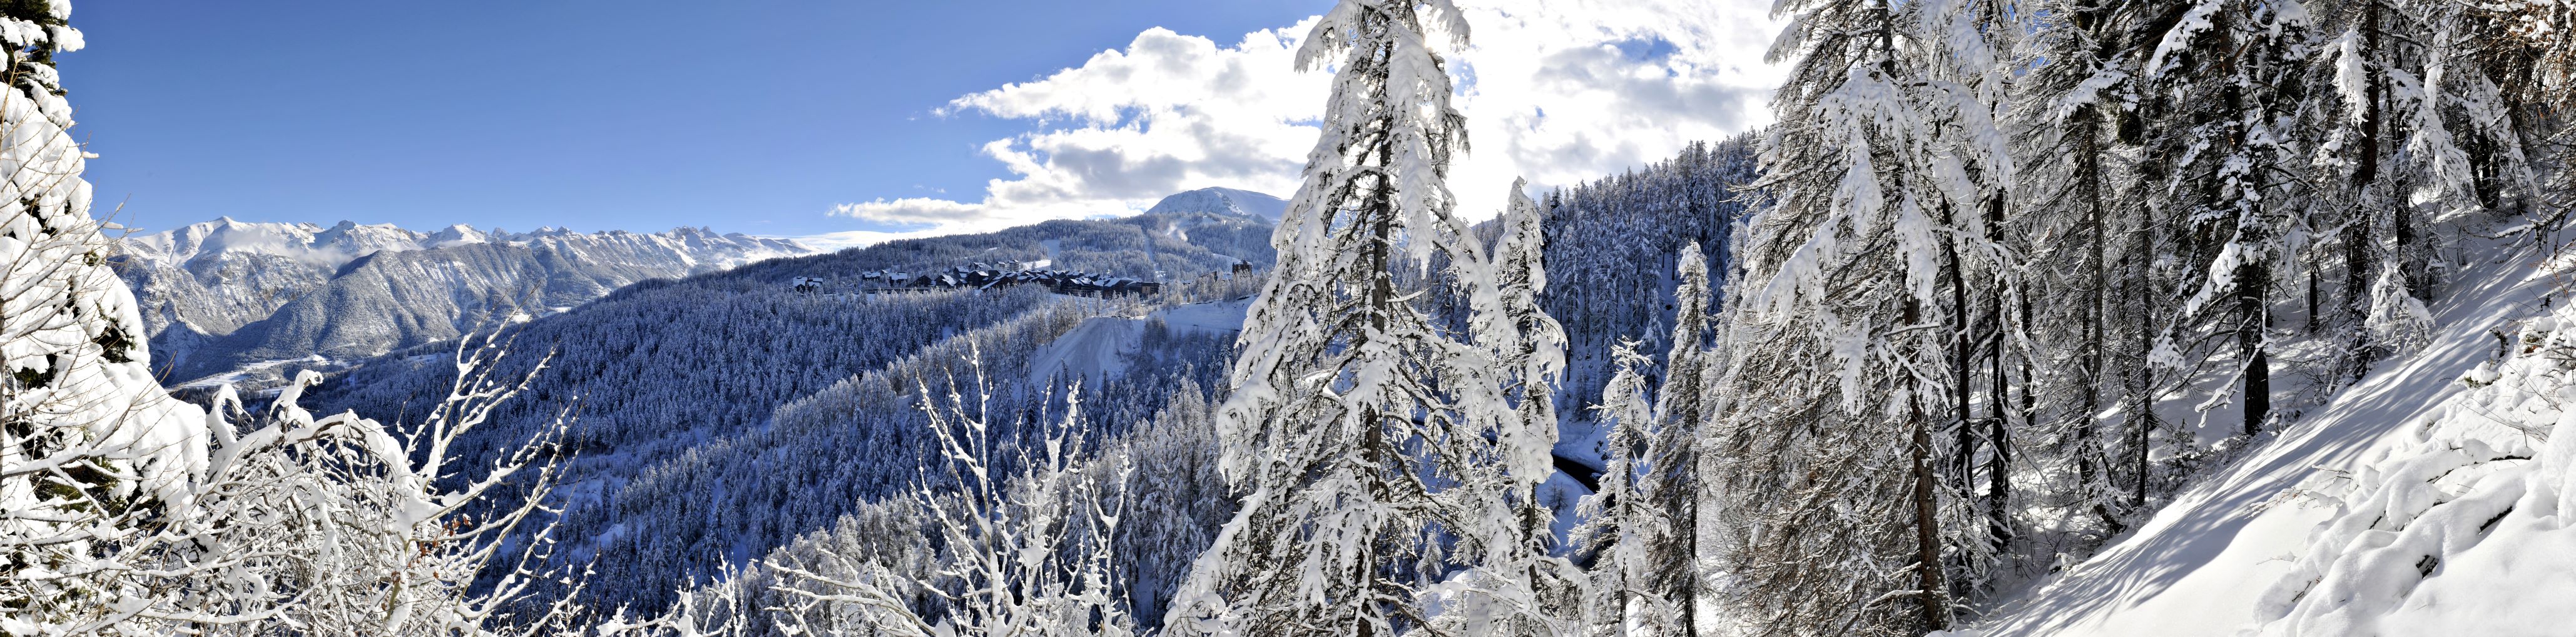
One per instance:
[(225, 296)]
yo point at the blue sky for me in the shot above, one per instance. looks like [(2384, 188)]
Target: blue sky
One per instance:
[(754, 116), (802, 118)]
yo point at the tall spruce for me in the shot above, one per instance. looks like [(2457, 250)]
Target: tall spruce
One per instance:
[(2223, 106)]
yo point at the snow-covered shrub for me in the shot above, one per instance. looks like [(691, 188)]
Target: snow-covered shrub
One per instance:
[(2398, 319), (1025, 556), (2462, 528)]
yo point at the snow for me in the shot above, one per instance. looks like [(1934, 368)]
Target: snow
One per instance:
[(1210, 317), (245, 373), (1097, 349), (2202, 565), (1094, 351), (1223, 201)]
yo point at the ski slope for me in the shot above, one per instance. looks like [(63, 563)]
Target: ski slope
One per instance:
[(1097, 349), (2202, 565)]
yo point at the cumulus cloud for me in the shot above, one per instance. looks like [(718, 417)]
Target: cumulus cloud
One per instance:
[(1556, 92)]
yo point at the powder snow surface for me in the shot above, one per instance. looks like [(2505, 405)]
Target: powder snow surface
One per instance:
[(2203, 565), (1097, 349)]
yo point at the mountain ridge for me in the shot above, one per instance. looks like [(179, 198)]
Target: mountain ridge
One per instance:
[(1223, 201), (221, 295)]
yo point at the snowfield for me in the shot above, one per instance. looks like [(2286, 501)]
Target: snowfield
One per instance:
[(2209, 563), (1097, 350)]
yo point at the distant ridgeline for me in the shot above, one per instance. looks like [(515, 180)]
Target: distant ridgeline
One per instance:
[(222, 296)]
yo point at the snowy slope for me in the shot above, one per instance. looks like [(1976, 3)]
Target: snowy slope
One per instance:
[(1097, 349), (2202, 565), (1226, 201)]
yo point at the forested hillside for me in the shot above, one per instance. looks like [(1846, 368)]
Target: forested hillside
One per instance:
[(715, 386), (846, 455), (1614, 246), (1620, 237)]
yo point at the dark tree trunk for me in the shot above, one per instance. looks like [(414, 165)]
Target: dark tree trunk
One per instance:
[(1933, 593), (1961, 355), (2249, 340), (2312, 300), (2092, 462), (1999, 437), (2358, 264)]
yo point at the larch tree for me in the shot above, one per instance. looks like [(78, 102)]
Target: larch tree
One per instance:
[(1672, 484), (1387, 463), (2085, 242), (2222, 107), (1841, 381), (1619, 520)]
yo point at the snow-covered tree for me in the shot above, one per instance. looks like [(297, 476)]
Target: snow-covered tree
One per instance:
[(1673, 460), (1846, 357), (125, 511), (368, 529), (91, 449), (1387, 463), (2222, 122), (2066, 121), (2414, 129), (1621, 522), (1030, 555)]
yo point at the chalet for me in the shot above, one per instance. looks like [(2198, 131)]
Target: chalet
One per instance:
[(986, 276)]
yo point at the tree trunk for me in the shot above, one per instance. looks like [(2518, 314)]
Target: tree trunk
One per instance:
[(1960, 354), (2358, 264), (1933, 593), (2140, 377), (1998, 463), (2091, 466), (2249, 340)]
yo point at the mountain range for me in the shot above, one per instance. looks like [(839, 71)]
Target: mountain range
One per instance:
[(224, 299)]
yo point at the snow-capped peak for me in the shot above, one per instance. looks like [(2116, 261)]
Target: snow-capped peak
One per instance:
[(459, 234), (1227, 201)]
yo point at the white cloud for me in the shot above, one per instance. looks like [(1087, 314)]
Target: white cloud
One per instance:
[(1557, 92)]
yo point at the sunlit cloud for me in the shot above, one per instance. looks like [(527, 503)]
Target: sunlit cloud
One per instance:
[(1555, 92)]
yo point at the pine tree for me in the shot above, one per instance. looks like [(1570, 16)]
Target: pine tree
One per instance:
[(1379, 452)]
